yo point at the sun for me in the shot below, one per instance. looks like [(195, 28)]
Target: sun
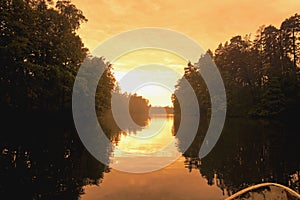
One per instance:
[(157, 94)]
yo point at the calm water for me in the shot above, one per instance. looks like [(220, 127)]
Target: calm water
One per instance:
[(51, 163)]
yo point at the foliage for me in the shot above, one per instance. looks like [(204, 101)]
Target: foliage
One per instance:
[(193, 75), (261, 76), (137, 105), (40, 54)]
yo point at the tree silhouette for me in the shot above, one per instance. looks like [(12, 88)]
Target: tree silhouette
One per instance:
[(261, 77)]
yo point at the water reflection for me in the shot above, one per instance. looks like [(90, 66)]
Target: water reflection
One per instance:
[(50, 162), (249, 152), (148, 149)]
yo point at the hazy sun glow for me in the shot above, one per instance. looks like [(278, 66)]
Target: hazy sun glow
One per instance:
[(158, 95), (207, 22)]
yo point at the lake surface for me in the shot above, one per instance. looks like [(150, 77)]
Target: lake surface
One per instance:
[(173, 182), (50, 162)]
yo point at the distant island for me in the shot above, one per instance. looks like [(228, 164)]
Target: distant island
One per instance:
[(161, 110)]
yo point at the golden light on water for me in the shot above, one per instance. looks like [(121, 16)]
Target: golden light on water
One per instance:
[(153, 145), (172, 182), (151, 139)]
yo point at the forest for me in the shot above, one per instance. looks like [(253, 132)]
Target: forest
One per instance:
[(261, 75), (41, 53)]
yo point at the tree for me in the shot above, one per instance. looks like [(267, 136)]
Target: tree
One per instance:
[(237, 63), (290, 29), (40, 54), (273, 100), (104, 90), (258, 75)]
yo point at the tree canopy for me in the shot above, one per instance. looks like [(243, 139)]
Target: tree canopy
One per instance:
[(261, 76), (40, 53)]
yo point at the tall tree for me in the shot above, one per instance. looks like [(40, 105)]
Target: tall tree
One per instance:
[(261, 77), (40, 53), (290, 29)]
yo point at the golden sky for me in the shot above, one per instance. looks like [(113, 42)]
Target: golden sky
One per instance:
[(208, 22), (156, 94)]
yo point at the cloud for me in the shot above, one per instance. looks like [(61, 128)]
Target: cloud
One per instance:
[(208, 21)]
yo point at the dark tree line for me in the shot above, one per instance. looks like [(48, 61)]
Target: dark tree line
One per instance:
[(88, 79), (137, 105), (261, 76), (40, 54)]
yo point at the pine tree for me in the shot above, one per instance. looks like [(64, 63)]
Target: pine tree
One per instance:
[(273, 101)]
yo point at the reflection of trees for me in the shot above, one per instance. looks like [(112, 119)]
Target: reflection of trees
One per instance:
[(111, 127), (249, 152), (193, 150), (50, 163)]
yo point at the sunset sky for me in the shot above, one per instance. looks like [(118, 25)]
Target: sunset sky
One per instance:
[(157, 95), (209, 22)]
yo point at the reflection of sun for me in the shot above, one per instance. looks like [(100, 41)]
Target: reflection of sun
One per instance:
[(157, 95), (149, 140)]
